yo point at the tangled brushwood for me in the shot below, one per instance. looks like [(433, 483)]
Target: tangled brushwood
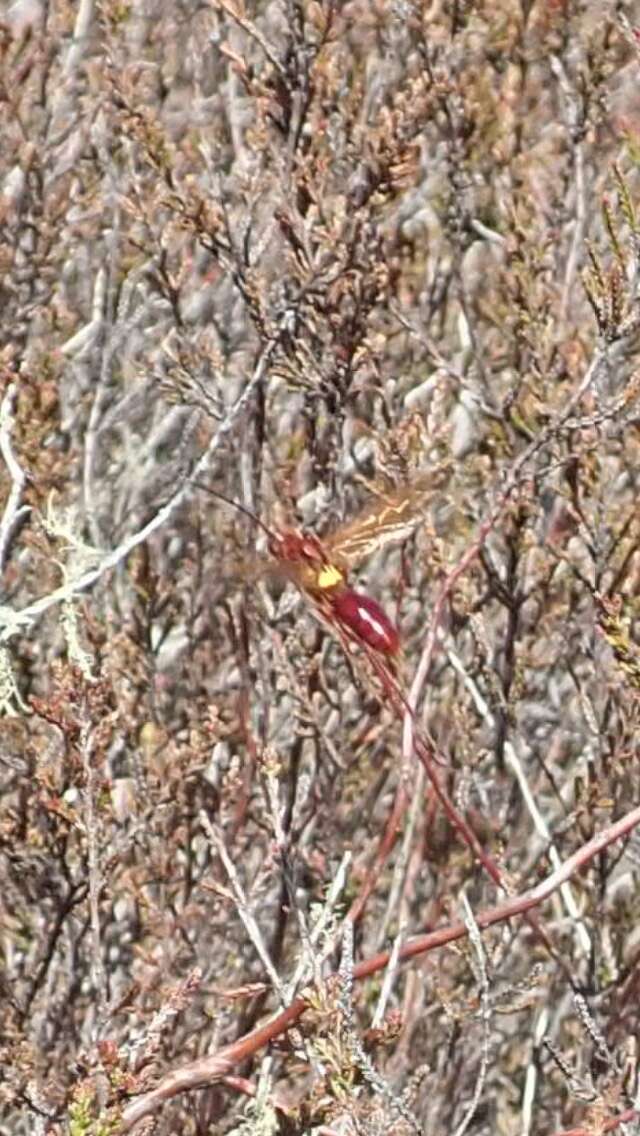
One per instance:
[(320, 556)]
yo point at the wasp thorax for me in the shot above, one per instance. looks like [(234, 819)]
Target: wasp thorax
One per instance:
[(296, 547)]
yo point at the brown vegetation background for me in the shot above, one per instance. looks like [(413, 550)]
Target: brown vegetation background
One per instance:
[(310, 254)]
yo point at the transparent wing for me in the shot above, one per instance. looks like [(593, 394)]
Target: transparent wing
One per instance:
[(390, 519)]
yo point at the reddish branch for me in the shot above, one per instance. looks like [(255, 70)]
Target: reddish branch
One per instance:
[(427, 756), (206, 1070), (385, 849), (614, 1122)]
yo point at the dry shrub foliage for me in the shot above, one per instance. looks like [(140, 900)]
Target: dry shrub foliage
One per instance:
[(407, 231)]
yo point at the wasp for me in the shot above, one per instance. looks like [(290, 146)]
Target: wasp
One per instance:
[(320, 567)]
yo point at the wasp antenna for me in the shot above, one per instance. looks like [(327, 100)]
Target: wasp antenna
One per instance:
[(235, 505)]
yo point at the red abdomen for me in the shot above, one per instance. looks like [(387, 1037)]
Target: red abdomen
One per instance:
[(366, 618)]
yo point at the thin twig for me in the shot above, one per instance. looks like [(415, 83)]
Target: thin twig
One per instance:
[(12, 622), (540, 823), (531, 1076), (389, 978), (242, 904), (305, 966), (80, 40), (360, 1057), (573, 115), (12, 510), (485, 528), (250, 28), (98, 972), (400, 869), (485, 1015)]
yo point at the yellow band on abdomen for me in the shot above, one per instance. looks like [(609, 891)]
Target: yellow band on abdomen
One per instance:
[(329, 577)]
